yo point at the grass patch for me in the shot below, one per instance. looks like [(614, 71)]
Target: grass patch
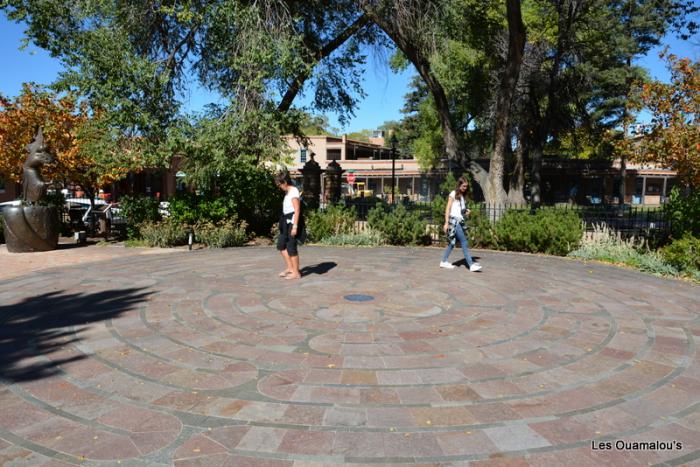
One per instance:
[(607, 246), (136, 243)]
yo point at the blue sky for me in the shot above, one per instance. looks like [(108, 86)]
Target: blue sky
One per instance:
[(384, 89)]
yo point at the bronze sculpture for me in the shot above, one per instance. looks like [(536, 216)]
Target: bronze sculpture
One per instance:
[(31, 227), (33, 185)]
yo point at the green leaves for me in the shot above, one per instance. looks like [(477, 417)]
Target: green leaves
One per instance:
[(398, 226), (333, 221)]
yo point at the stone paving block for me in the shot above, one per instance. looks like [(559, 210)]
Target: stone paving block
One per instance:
[(465, 443), (516, 437), (389, 417), (442, 416), (137, 419), (262, 439), (564, 431), (307, 442), (199, 446), (411, 445), (358, 444), (345, 416), (379, 396)]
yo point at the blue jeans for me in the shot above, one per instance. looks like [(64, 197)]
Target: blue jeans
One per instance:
[(463, 241)]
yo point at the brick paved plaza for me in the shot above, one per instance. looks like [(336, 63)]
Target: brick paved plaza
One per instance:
[(113, 356)]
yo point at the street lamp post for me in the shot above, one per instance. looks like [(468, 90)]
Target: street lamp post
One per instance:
[(393, 167)]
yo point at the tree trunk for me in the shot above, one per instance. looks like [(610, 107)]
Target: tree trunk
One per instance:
[(517, 178), (568, 12), (623, 176), (495, 193), (535, 174), (625, 127)]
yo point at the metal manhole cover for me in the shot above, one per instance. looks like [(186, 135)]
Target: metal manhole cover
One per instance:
[(358, 298)]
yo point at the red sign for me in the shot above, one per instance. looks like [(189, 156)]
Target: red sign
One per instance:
[(350, 177)]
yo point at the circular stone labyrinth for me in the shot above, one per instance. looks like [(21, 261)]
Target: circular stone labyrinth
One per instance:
[(208, 358)]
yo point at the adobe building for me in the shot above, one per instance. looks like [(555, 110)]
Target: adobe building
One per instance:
[(598, 182), (369, 162), (574, 181)]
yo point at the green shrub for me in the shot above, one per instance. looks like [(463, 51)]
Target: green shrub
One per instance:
[(684, 253), (399, 226), (684, 213), (163, 234), (243, 188), (551, 231), (226, 233), (479, 228), (368, 238), (437, 207), (333, 221), (138, 210), (189, 208), (237, 188)]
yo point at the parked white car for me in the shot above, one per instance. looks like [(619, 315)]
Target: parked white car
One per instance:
[(110, 210)]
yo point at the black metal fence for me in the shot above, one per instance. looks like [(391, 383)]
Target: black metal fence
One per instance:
[(627, 221)]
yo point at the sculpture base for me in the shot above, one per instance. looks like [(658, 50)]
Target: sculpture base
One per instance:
[(31, 228)]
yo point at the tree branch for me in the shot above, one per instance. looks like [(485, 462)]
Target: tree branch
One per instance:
[(328, 49), (169, 62)]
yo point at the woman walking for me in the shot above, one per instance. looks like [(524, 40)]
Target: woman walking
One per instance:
[(290, 227), (455, 212)]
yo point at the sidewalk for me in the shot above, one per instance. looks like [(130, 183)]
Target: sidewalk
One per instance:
[(68, 254)]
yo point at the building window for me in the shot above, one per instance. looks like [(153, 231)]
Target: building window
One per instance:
[(654, 186), (302, 155), (333, 154)]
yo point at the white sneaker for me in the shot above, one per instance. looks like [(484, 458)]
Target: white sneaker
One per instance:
[(446, 265), (475, 267)]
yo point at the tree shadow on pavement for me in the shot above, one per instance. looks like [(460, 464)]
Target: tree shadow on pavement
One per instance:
[(39, 326), (320, 268)]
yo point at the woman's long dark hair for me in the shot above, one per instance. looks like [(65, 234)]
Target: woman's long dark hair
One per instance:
[(283, 177), (458, 193)]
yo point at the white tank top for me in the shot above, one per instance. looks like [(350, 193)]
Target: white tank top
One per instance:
[(457, 206)]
